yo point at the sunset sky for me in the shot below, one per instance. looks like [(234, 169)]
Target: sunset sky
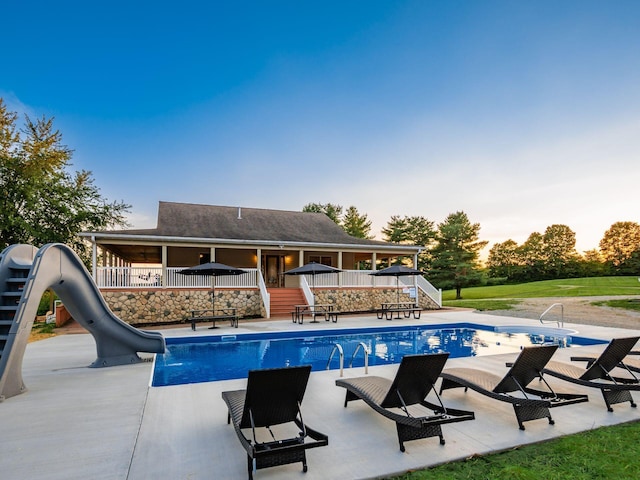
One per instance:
[(520, 114)]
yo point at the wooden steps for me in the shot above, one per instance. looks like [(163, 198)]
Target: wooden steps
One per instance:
[(284, 299)]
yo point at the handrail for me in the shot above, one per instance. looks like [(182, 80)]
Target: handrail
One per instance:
[(306, 290), (337, 347), (366, 356), (559, 322), (264, 293)]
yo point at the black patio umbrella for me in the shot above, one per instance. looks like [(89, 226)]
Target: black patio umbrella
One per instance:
[(397, 271), (213, 270), (313, 269)]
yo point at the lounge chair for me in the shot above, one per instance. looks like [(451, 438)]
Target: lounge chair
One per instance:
[(531, 404), (273, 397), (597, 374), (398, 399)]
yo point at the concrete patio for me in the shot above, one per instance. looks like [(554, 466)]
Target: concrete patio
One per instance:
[(77, 423)]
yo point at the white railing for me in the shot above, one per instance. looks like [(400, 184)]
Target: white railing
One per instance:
[(350, 278), (264, 293), (432, 292), (137, 277), (308, 294), (121, 277)]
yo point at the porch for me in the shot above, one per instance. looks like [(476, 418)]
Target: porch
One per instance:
[(339, 288)]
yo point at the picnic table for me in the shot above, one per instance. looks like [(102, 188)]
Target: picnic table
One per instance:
[(325, 310), (388, 309), (230, 314)]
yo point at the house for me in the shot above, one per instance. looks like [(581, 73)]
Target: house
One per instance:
[(137, 270)]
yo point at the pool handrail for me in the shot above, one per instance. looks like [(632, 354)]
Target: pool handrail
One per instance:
[(560, 322), (337, 347), (366, 352)]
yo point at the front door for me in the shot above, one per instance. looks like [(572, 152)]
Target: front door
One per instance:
[(273, 270)]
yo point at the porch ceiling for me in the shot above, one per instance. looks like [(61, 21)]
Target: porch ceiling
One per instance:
[(135, 253)]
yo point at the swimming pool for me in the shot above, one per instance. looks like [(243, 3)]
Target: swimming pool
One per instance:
[(224, 357)]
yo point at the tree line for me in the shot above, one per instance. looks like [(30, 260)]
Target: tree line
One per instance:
[(451, 255)]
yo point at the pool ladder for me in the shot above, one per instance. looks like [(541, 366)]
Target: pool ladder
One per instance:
[(338, 348), (559, 322)]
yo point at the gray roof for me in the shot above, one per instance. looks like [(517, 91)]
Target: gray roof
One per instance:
[(240, 223)]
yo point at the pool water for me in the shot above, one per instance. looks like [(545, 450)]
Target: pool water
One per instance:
[(224, 357)]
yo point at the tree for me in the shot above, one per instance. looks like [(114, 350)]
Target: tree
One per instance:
[(355, 224), (533, 257), (41, 201), (559, 250), (504, 259), (619, 243), (334, 212), (396, 230), (414, 230), (455, 256)]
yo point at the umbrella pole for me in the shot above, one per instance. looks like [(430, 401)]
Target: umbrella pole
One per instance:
[(213, 301), (213, 295)]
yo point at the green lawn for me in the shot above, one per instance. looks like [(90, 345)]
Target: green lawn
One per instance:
[(603, 453), (573, 287)]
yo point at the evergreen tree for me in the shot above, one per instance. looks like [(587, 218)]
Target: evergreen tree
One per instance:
[(334, 212), (355, 224), (414, 230), (455, 261)]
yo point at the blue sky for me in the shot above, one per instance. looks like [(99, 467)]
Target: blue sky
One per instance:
[(521, 114)]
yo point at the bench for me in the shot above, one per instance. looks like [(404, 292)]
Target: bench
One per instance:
[(210, 315)]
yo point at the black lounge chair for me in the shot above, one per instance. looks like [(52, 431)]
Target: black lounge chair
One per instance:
[(597, 374), (397, 399), (273, 397), (526, 368)]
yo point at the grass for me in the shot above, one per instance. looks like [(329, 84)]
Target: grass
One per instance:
[(603, 453), (40, 331), (628, 304), (573, 287)]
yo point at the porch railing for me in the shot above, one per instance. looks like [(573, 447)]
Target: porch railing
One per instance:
[(138, 277)]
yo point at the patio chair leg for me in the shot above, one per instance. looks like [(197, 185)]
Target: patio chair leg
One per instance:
[(250, 467)]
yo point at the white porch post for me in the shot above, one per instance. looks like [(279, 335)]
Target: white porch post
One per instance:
[(374, 257), (340, 267), (258, 263), (164, 255), (301, 258), (94, 258), (212, 254)]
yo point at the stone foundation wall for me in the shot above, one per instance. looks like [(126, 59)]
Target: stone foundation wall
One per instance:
[(367, 299), (156, 306)]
